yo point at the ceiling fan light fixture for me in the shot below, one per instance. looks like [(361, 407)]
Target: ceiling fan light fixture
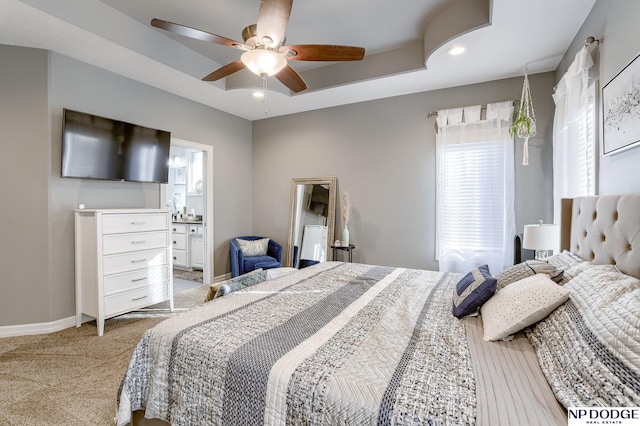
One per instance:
[(263, 62)]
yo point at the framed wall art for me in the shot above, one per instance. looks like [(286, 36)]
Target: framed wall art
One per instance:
[(180, 176), (621, 109)]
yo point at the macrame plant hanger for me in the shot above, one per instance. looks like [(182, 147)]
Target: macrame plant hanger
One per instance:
[(524, 125)]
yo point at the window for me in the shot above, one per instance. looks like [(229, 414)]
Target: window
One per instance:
[(475, 199), (195, 181), (587, 145), (574, 134)]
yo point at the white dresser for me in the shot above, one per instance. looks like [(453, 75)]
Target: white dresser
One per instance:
[(123, 261)]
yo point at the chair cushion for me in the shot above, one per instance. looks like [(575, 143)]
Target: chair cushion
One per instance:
[(254, 247), (268, 265), (251, 262)]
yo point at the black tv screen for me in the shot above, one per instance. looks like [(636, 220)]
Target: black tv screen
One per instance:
[(96, 147)]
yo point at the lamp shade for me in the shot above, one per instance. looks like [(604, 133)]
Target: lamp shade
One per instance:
[(263, 62), (541, 236)]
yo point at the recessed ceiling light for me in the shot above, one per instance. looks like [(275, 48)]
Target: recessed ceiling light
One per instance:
[(258, 95), (457, 50)]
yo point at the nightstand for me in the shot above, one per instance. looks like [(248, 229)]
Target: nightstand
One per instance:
[(348, 249)]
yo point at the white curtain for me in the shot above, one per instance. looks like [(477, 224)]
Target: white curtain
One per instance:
[(475, 196), (574, 134)]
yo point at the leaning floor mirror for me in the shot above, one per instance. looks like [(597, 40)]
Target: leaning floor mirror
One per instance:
[(311, 221)]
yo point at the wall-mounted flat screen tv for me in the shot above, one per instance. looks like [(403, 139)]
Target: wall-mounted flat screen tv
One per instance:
[(96, 147)]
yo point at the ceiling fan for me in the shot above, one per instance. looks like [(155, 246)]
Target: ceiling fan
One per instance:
[(264, 51)]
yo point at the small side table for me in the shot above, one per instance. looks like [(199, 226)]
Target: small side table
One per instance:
[(348, 249)]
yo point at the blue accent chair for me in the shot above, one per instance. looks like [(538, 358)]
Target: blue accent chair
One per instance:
[(241, 264)]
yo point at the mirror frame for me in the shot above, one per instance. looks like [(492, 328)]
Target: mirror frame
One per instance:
[(331, 216)]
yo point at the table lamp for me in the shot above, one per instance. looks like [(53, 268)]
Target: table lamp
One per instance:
[(542, 238)]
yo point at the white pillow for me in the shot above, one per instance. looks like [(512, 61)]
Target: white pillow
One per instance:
[(254, 247), (564, 260), (575, 270), (519, 305)]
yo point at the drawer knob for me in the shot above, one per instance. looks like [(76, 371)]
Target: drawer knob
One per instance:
[(175, 258), (138, 279), (138, 298), (138, 242), (138, 260), (138, 223)]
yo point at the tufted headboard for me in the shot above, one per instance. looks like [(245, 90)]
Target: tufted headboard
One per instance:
[(604, 229)]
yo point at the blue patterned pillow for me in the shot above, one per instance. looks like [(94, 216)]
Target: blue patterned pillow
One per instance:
[(472, 291), (243, 281)]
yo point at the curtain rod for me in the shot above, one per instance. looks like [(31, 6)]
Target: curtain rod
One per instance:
[(434, 113), (590, 40)]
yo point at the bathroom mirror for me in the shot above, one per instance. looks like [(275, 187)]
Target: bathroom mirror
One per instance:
[(312, 214)]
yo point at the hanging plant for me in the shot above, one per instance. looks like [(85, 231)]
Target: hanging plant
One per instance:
[(524, 124)]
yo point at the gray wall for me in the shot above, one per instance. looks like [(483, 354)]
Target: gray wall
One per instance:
[(37, 283), (24, 150), (615, 23), (383, 154)]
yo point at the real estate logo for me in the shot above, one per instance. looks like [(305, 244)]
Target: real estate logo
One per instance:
[(625, 416)]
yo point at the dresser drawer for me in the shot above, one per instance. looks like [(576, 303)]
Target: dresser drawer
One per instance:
[(131, 280), (180, 257), (118, 263), (195, 230), (178, 228), (122, 243), (134, 299), (179, 242), (134, 222)]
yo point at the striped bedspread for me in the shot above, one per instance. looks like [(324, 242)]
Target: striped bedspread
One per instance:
[(336, 343)]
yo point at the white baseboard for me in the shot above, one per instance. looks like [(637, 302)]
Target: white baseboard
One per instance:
[(50, 327), (39, 328), (221, 278)]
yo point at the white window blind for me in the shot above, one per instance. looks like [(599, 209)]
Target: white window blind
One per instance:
[(586, 145), (476, 223)]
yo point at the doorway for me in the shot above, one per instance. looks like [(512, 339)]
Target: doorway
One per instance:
[(189, 196)]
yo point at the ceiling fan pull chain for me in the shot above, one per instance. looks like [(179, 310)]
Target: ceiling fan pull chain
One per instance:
[(264, 92)]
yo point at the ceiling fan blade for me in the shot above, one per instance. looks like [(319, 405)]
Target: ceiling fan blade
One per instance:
[(197, 34), (322, 52), (273, 17), (225, 71), (290, 78)]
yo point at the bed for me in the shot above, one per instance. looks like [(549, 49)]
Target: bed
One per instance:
[(342, 343)]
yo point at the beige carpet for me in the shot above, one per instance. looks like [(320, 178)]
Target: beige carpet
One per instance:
[(188, 275), (71, 377)]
